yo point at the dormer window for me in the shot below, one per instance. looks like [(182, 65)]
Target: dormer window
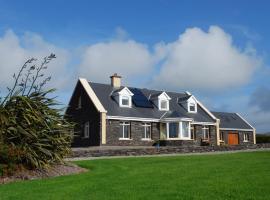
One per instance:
[(192, 107), (124, 97), (161, 100), (125, 101), (164, 105)]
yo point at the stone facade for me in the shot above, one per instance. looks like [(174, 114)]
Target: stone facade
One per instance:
[(114, 132), (240, 136)]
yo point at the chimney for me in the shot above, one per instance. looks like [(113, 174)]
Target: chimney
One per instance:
[(116, 80)]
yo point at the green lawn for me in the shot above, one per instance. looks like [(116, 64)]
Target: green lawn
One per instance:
[(224, 176)]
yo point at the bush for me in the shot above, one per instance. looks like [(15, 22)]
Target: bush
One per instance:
[(262, 138), (33, 131)]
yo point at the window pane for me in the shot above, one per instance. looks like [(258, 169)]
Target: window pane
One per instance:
[(163, 104), (205, 133), (125, 101), (163, 131), (148, 132), (192, 107), (126, 131), (173, 130), (185, 127)]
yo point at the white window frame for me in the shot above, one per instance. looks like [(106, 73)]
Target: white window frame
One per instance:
[(145, 125), (126, 97), (180, 131), (86, 131), (167, 104), (246, 138), (221, 136), (192, 105), (123, 124), (204, 128)]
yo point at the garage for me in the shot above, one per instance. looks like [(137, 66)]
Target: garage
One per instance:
[(233, 138)]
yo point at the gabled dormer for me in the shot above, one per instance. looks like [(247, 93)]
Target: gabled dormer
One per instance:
[(162, 101), (189, 102), (124, 97)]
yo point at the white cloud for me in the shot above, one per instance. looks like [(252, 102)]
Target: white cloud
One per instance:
[(205, 60), (125, 57), (15, 50)]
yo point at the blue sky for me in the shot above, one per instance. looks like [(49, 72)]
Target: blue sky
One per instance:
[(218, 50)]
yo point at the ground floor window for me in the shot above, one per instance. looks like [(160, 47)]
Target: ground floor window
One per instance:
[(185, 130), (147, 131), (125, 130), (205, 132), (173, 130), (221, 136), (86, 130), (192, 132), (180, 130), (246, 138)]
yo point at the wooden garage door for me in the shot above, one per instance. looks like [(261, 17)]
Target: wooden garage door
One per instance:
[(233, 138)]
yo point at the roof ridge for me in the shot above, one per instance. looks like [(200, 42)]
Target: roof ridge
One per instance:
[(152, 90)]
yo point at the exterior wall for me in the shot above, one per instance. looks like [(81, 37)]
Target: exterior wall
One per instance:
[(240, 136), (114, 132), (87, 112), (198, 136)]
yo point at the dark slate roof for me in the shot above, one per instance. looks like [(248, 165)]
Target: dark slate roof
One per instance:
[(104, 93), (231, 120)]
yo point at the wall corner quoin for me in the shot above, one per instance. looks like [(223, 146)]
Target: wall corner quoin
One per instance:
[(103, 116)]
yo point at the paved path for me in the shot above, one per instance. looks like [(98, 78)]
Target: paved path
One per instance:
[(164, 155)]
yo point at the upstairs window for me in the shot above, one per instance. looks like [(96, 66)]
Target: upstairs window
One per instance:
[(80, 102), (124, 97), (192, 107), (164, 105), (86, 129), (125, 101)]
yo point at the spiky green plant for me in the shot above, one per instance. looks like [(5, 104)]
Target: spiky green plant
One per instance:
[(30, 120)]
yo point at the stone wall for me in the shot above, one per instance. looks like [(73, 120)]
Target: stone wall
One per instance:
[(162, 150), (240, 136), (114, 132)]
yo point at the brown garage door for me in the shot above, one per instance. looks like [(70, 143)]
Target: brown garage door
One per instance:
[(233, 138)]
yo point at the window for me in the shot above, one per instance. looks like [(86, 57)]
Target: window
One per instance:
[(147, 131), (192, 132), (192, 107), (125, 130), (125, 101), (80, 102), (164, 105), (221, 136), (173, 130), (205, 131), (86, 129), (246, 139), (185, 130)]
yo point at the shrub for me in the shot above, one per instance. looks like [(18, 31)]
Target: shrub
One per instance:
[(262, 138), (32, 129)]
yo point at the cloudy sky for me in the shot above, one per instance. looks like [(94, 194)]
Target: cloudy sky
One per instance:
[(217, 51)]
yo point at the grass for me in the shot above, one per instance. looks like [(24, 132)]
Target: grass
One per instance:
[(224, 176)]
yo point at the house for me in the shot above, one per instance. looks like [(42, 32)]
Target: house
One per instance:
[(115, 115)]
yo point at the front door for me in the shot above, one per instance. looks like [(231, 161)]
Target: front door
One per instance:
[(233, 138)]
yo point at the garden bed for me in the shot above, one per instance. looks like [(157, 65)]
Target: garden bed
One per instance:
[(54, 171)]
